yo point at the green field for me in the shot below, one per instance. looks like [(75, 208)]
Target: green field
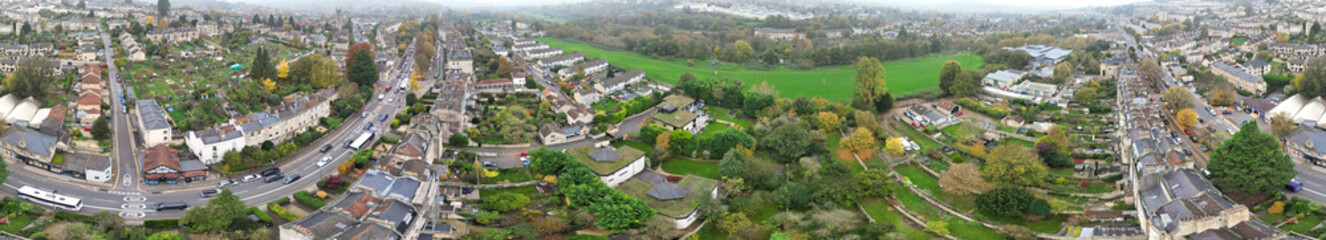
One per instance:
[(832, 83), (683, 166)]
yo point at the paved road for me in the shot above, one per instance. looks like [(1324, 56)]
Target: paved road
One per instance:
[(136, 205)]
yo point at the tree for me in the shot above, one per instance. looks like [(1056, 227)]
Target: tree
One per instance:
[(827, 121), (31, 79), (165, 236), (1057, 137), (1223, 94), (948, 75), (725, 140), (1085, 95), (894, 147), (869, 83), (360, 68), (1062, 71), (861, 139), (220, 214), (680, 140), (1055, 158), (741, 52), (163, 8), (268, 84), (326, 74), (732, 165), (769, 57), (101, 129), (1186, 118), (1012, 165), (1177, 98), (79, 230), (875, 183), (1005, 202), (1282, 125), (505, 202), (939, 227), (457, 140), (1313, 83), (1250, 162), (650, 132), (967, 84), (731, 223), (283, 70), (355, 48), (962, 179), (262, 65), (81, 4), (504, 67), (788, 142)]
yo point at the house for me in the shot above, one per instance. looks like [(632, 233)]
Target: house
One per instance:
[(319, 225), (153, 123), (283, 122), (381, 218), (613, 165), (1042, 55), (460, 60), (383, 185), (529, 46), (1241, 79), (1179, 203), (683, 120), (1111, 66), (518, 79), (1257, 67), (591, 67), (577, 115), (1297, 65), (494, 85), (1302, 144), (561, 60), (28, 146), (210, 144), (543, 53), (161, 164), (552, 134), (585, 96), (619, 82), (398, 166), (678, 202), (1002, 78)]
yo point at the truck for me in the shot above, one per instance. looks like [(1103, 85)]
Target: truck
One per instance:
[(362, 140)]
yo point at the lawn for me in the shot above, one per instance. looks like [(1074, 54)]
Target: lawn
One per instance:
[(712, 128), (524, 190), (916, 136), (963, 130), (920, 178), (648, 149), (604, 105), (1020, 142), (971, 230), (1304, 224), (16, 223), (1050, 224), (514, 175), (880, 211), (720, 113), (683, 166), (836, 83)]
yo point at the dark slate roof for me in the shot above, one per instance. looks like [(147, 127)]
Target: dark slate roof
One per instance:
[(1255, 230), (1303, 135), (323, 225), (1152, 198), (1256, 64), (605, 155), (622, 78), (668, 191), (152, 115), (32, 140), (1215, 234), (192, 165), (1187, 183)]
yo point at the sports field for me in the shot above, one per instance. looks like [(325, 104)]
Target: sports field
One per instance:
[(833, 83)]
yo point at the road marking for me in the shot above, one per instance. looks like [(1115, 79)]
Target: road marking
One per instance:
[(135, 199), (1314, 192), (126, 180)]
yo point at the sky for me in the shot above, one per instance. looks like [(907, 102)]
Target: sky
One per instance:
[(931, 4)]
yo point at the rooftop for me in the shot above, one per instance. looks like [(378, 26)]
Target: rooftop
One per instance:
[(152, 116), (627, 155), (675, 119), (672, 206)]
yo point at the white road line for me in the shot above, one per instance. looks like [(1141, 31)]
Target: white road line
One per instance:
[(1314, 192)]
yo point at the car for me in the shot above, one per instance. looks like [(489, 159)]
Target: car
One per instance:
[(1227, 112), (489, 164), (226, 183), (250, 178), (348, 142), (325, 148), (177, 205), (291, 178), (1201, 147), (209, 193), (368, 126), (1192, 137), (271, 171), (1187, 152), (324, 161), (380, 96), (1173, 134), (273, 178), (383, 118), (364, 115)]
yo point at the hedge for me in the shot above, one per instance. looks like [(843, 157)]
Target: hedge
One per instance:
[(72, 216), (308, 200), (991, 111), (261, 215), (282, 201), (391, 140), (281, 211), (170, 223)]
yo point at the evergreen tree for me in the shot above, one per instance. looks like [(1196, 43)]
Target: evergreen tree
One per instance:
[(362, 70), (163, 8), (261, 68), (1250, 162)]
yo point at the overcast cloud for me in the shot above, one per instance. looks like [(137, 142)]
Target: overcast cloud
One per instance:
[(1037, 4)]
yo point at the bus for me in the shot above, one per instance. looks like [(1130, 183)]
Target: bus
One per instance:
[(1294, 186), (362, 140), (57, 201)]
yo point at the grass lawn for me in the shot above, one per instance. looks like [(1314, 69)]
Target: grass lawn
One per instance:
[(920, 178), (916, 136), (720, 113), (525, 190), (683, 166), (712, 128), (15, 224), (1304, 224), (1238, 40), (1023, 143), (962, 130), (605, 105), (971, 230), (1050, 224), (514, 175), (880, 211), (836, 83), (648, 149)]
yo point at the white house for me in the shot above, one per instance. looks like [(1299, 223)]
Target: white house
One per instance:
[(210, 144), (613, 165), (1002, 78), (153, 123), (619, 82)]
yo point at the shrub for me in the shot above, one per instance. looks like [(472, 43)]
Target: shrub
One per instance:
[(162, 223), (282, 212), (72, 216), (282, 201), (391, 140), (261, 215), (1278, 208), (308, 200)]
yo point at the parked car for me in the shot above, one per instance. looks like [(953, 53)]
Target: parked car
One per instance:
[(273, 178), (489, 164), (324, 161), (226, 183), (250, 178), (291, 178), (325, 148), (271, 171), (368, 126), (383, 118)]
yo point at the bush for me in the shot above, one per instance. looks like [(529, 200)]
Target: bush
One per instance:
[(972, 104), (261, 215), (282, 201), (72, 216), (391, 140), (308, 200), (587, 237), (1113, 178), (162, 223), (282, 212)]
